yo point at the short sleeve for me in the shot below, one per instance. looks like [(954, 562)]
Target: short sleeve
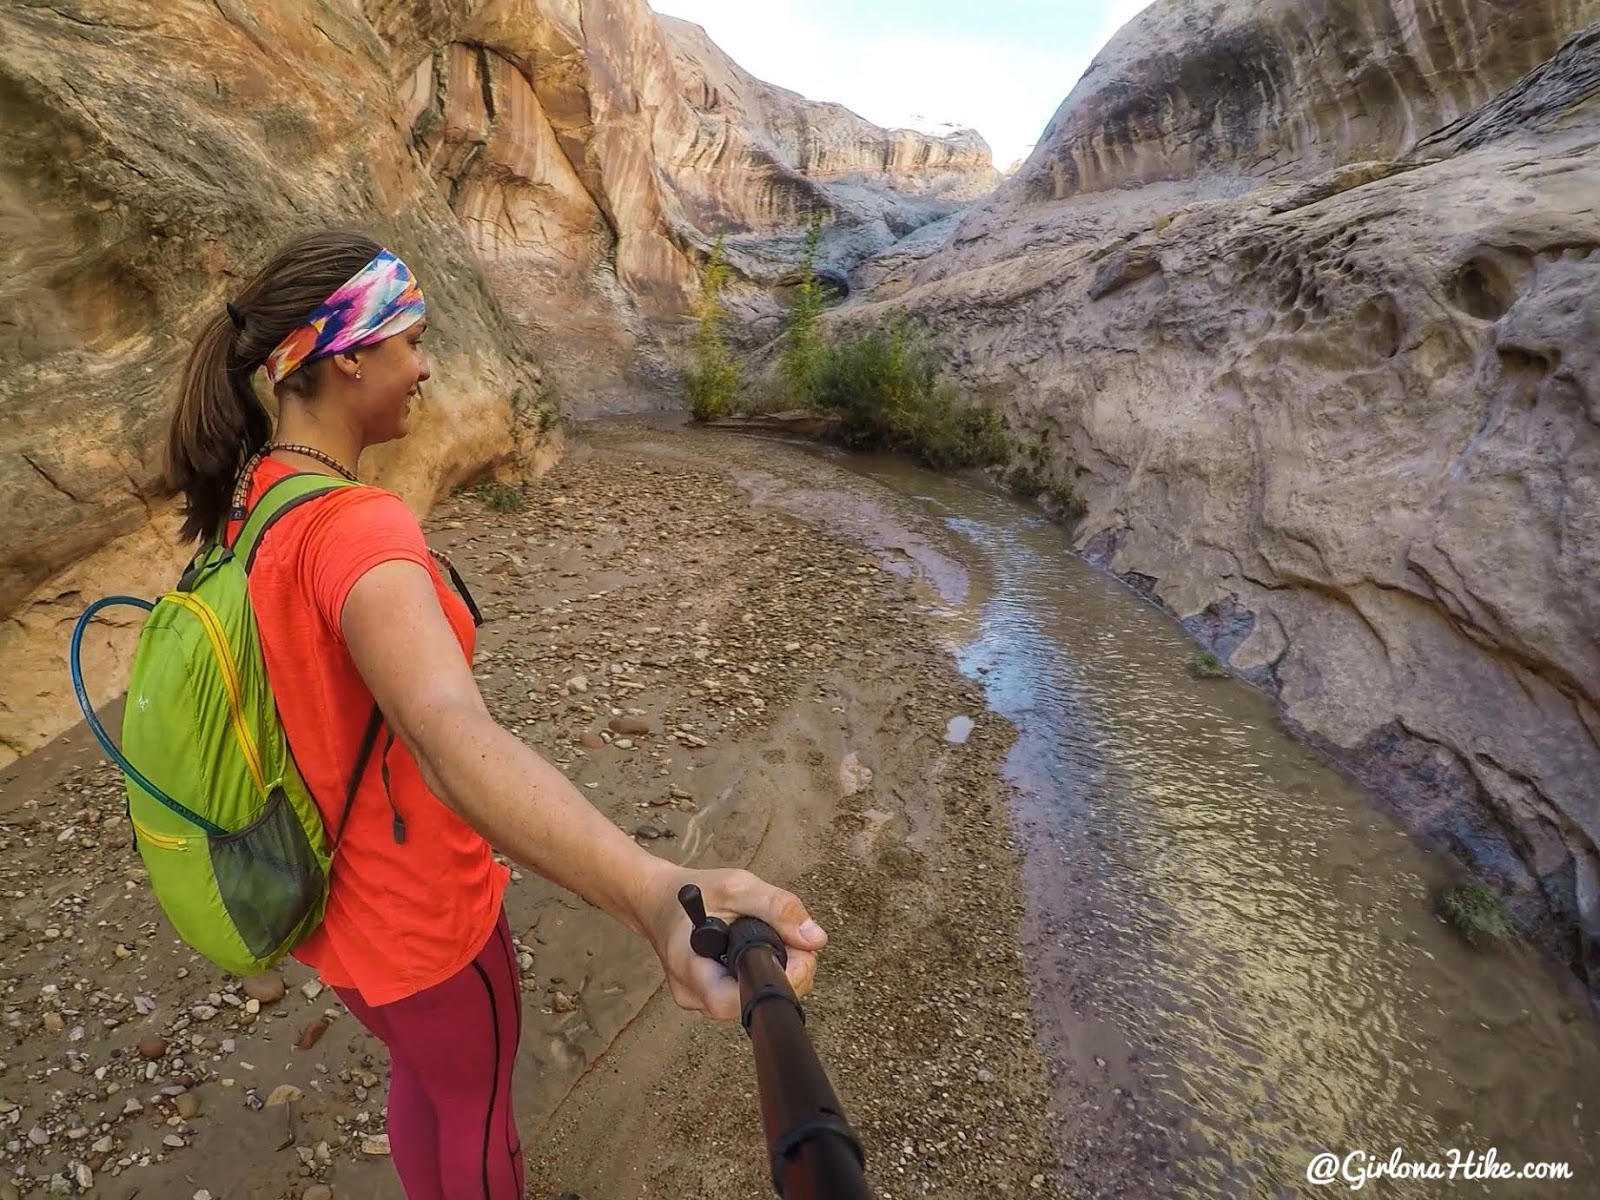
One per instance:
[(350, 532)]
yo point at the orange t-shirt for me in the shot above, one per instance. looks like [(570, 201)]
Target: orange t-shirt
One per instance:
[(401, 916)]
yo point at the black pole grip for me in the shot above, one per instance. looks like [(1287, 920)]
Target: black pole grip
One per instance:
[(815, 1155)]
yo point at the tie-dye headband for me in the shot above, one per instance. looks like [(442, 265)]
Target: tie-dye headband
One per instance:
[(379, 301)]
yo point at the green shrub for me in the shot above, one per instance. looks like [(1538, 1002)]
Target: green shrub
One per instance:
[(803, 347), (884, 387), (502, 497), (1207, 665), (1476, 913), (712, 381)]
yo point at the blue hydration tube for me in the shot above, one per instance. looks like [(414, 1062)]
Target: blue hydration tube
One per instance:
[(104, 738)]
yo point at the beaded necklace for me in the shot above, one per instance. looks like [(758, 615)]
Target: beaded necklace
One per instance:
[(311, 452), (242, 487)]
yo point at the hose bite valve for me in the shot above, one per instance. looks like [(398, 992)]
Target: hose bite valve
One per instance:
[(813, 1152)]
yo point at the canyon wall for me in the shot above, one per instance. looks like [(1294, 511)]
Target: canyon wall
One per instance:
[(1301, 303)]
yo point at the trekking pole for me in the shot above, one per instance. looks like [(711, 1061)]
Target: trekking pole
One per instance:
[(814, 1153)]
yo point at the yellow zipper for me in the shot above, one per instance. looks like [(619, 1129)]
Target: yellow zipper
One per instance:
[(230, 677), (165, 840)]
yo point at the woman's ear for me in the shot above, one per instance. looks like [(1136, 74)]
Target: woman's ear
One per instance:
[(348, 364)]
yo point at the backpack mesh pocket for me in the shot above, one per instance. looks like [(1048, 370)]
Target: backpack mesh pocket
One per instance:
[(268, 876)]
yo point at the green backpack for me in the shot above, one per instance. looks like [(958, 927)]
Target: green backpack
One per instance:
[(234, 844)]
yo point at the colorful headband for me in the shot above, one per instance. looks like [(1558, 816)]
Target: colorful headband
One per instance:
[(379, 301)]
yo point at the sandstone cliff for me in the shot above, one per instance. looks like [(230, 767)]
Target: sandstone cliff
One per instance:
[(553, 170), (1345, 424), (1199, 99)]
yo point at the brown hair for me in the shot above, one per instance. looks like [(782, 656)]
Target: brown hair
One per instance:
[(220, 420)]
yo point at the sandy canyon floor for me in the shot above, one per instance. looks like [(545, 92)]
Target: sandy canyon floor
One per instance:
[(796, 691)]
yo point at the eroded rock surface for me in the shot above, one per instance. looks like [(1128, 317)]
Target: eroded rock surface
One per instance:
[(1344, 425)]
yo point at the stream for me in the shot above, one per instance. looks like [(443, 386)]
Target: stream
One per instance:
[(1236, 961)]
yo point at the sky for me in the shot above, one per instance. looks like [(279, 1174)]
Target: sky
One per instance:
[(1001, 67)]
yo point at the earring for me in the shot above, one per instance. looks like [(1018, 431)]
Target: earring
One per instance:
[(358, 372)]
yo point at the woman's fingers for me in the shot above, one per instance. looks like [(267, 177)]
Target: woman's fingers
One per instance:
[(784, 911)]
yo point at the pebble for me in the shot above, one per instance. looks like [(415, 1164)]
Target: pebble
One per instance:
[(628, 726), (188, 1106), (84, 1176), (284, 1093), (854, 776), (564, 1003), (266, 988), (53, 1022), (311, 989), (152, 1045), (375, 1145), (38, 1136), (592, 741), (174, 1141), (312, 1034)]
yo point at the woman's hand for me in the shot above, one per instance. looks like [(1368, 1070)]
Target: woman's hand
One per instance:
[(700, 984)]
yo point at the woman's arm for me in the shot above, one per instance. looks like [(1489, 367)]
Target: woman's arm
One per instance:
[(411, 661)]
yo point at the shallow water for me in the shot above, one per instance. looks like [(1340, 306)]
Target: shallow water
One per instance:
[(1238, 966)]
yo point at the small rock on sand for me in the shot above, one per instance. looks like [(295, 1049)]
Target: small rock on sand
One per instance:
[(853, 775), (266, 988)]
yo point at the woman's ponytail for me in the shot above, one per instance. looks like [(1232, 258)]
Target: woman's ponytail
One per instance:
[(220, 420)]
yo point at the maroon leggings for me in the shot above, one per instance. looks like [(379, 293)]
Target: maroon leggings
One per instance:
[(451, 1049)]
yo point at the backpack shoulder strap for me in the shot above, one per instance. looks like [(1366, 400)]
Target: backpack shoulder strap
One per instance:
[(280, 498), (288, 493), (368, 740)]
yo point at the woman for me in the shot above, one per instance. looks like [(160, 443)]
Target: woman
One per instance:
[(352, 611)]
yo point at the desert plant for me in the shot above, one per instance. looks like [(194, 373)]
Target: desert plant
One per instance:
[(803, 348), (501, 497), (712, 381), (1476, 913), (884, 386)]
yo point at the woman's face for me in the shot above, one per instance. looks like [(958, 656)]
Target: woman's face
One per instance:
[(391, 379)]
